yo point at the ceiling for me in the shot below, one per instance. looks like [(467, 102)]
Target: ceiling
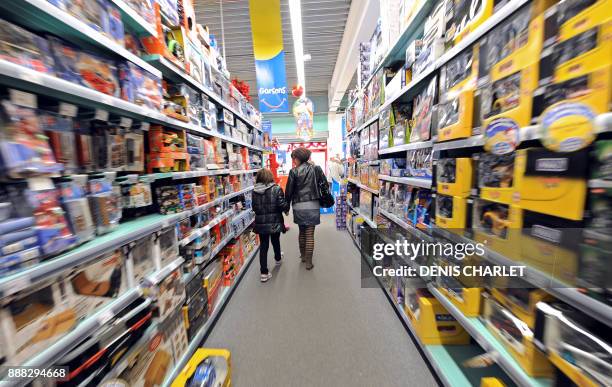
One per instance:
[(323, 23)]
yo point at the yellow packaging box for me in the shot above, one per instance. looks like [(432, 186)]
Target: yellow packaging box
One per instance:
[(451, 212), (551, 183), (497, 177), (517, 337), (454, 176), (222, 362), (497, 226), (433, 324), (519, 299)]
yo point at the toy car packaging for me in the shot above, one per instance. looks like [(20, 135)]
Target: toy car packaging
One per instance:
[(139, 86), (581, 85), (24, 150), (454, 176), (73, 196), (457, 84), (509, 67), (496, 177), (24, 48), (497, 225), (451, 212), (90, 70), (422, 113), (105, 205), (463, 17), (59, 129)]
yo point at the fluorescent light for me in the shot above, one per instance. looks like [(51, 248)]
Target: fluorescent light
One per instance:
[(295, 11)]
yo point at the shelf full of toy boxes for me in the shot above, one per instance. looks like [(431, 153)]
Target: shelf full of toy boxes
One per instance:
[(121, 290), (510, 104), (117, 74)]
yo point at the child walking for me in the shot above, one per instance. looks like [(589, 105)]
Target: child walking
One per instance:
[(268, 204)]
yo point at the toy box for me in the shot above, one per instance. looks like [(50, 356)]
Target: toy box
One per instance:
[(24, 48), (512, 72), (60, 131), (420, 208), (168, 294), (451, 212), (582, 75), (24, 150), (463, 18), (195, 312), (432, 323), (462, 291), (153, 360), (99, 282), (139, 86), (517, 337), (552, 183), (206, 364), (35, 318), (105, 205), (575, 344), (551, 245), (168, 200), (519, 297), (422, 113), (401, 123), (497, 225), (105, 347), (496, 177), (456, 107), (454, 176), (140, 261), (52, 229), (419, 162), (167, 150), (85, 69)]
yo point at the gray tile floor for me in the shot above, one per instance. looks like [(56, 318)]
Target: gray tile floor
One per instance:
[(318, 328)]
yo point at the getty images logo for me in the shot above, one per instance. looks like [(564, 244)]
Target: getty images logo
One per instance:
[(273, 90)]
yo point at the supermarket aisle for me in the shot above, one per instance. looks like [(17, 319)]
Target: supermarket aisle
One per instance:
[(316, 328)]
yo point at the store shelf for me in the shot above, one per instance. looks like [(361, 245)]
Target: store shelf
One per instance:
[(83, 330), (397, 50), (165, 271), (125, 233), (445, 367), (503, 13), (171, 71), (243, 171), (201, 231), (600, 183), (565, 292), (17, 76), (406, 226), (367, 219), (469, 142), (406, 147), (489, 343), (363, 186), (133, 20), (369, 122), (203, 333), (413, 181), (41, 15)]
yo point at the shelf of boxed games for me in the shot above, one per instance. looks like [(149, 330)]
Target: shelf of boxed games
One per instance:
[(369, 122), (105, 315), (195, 234), (14, 75), (203, 333), (192, 174), (43, 15), (396, 50), (445, 367), (363, 186), (122, 235), (496, 18), (406, 147), (571, 296), (413, 181), (171, 71), (133, 20), (479, 332)]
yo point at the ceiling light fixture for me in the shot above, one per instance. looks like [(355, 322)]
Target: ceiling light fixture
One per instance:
[(295, 11)]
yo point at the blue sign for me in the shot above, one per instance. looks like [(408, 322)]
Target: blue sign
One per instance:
[(272, 84)]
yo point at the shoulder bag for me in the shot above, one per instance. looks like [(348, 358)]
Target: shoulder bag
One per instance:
[(326, 200)]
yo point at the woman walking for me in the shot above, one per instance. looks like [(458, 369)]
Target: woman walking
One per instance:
[(302, 192), (268, 204)]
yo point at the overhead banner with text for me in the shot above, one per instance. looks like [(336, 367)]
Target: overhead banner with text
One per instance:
[(267, 31)]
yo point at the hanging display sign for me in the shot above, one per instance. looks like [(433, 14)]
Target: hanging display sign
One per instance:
[(270, 72), (303, 111)]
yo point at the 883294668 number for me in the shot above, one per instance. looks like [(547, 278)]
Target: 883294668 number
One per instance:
[(22, 373)]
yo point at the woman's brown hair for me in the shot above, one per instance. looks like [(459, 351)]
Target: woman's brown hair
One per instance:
[(301, 154), (264, 176)]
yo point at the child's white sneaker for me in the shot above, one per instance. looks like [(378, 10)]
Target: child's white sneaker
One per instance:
[(265, 277), (280, 261)]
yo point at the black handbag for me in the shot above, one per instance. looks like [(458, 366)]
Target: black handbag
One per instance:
[(326, 200)]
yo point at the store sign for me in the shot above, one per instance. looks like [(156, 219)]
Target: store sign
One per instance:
[(270, 71)]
